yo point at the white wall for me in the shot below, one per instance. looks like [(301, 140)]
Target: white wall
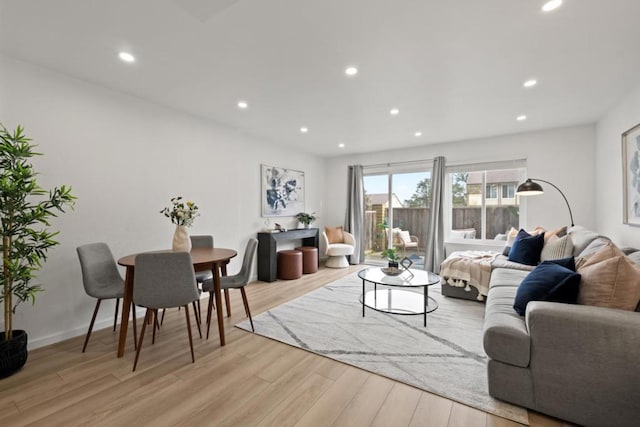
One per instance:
[(125, 158), (609, 199), (563, 156)]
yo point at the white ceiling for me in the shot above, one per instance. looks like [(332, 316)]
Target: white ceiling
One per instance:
[(454, 68)]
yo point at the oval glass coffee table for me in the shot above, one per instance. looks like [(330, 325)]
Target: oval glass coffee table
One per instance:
[(398, 295)]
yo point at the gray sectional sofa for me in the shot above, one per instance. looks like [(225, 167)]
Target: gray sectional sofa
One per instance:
[(579, 363)]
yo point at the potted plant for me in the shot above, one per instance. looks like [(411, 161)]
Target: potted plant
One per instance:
[(392, 256), (306, 218), (25, 211)]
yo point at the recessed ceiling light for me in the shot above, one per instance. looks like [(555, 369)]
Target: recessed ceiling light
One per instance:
[(551, 5), (418, 133), (126, 57), (530, 83), (304, 130), (521, 118), (351, 71), (394, 111), (243, 104), (341, 145)]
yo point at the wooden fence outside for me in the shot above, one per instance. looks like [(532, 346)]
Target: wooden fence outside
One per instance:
[(415, 220)]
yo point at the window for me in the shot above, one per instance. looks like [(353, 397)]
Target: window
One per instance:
[(482, 199), (492, 191), (508, 191)]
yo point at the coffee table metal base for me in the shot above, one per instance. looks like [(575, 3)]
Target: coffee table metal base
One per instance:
[(399, 301)]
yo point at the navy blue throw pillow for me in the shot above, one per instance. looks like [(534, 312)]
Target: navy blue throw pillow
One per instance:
[(569, 263), (547, 282), (527, 248)]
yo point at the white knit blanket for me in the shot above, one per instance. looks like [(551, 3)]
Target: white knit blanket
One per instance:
[(464, 268)]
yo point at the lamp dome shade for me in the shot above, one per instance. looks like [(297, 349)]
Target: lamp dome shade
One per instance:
[(529, 188)]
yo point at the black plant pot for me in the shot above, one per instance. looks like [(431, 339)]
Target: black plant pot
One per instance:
[(13, 353), (393, 264)]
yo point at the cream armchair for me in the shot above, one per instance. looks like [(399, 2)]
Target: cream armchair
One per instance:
[(338, 244), (403, 240)]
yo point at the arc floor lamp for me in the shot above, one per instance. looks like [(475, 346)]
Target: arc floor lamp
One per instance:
[(531, 188)]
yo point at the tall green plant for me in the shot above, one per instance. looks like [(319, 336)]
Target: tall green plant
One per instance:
[(25, 211)]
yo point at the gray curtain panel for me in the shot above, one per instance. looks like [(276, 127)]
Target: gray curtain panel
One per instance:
[(435, 233), (354, 222)]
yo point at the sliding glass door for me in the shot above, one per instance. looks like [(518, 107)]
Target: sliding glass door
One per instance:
[(396, 214)]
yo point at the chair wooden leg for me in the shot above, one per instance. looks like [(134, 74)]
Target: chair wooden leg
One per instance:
[(199, 313), (209, 309), (164, 310), (135, 327), (186, 312), (93, 319), (227, 302), (246, 307), (115, 318), (213, 307), (155, 323), (197, 316), (147, 317)]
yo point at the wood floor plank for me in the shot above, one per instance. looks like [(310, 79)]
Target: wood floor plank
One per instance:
[(399, 407), (329, 406), (495, 421), (432, 410), (364, 406), (252, 412), (466, 416), (302, 398), (60, 401)]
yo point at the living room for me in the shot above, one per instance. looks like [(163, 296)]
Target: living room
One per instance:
[(125, 156)]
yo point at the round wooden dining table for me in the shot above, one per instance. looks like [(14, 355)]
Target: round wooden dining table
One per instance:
[(204, 259)]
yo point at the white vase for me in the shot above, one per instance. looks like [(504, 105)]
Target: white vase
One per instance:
[(181, 240)]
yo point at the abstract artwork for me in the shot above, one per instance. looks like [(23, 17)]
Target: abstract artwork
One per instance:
[(282, 191), (631, 175)]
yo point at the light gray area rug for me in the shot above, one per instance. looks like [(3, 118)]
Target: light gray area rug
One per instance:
[(445, 358)]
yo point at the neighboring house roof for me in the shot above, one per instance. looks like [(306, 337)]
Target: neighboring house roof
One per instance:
[(493, 177), (383, 198)]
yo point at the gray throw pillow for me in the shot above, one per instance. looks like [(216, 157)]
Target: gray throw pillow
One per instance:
[(581, 237), (557, 248)]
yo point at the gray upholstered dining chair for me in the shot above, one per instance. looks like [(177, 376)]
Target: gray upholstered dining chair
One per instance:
[(202, 241), (164, 280), (237, 281), (102, 280)]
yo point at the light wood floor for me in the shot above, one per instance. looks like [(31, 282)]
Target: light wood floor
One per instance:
[(252, 381)]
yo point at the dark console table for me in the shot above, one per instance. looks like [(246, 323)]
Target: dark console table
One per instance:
[(268, 254)]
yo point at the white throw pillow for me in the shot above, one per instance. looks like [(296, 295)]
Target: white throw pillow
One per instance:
[(404, 235)]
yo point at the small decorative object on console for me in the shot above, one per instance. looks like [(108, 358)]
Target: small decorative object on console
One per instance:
[(306, 218)]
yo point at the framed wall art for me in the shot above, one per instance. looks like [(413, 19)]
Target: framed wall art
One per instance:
[(631, 175), (282, 191)]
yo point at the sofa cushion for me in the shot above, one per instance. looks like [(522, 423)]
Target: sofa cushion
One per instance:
[(334, 234), (505, 336), (596, 244), (526, 249), (556, 248), (581, 237), (550, 281), (610, 279), (502, 261)]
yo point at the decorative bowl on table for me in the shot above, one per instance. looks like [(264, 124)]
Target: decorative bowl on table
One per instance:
[(391, 271)]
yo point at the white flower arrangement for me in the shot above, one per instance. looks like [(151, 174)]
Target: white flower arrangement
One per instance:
[(181, 213)]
